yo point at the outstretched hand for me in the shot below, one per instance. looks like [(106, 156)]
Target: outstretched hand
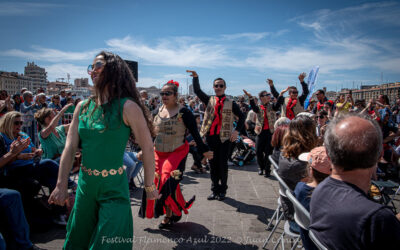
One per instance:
[(270, 82), (193, 73), (247, 93), (284, 91), (302, 76)]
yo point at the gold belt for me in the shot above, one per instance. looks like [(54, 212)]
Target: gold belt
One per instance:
[(104, 173)]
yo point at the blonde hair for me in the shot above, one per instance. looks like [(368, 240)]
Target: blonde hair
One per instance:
[(7, 123)]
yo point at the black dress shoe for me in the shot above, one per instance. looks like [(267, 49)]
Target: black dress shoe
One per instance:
[(212, 196), (221, 197), (166, 225), (175, 218), (260, 172), (267, 174)]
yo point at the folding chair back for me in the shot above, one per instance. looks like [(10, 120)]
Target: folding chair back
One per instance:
[(301, 215), (316, 241), (274, 164), (282, 184)]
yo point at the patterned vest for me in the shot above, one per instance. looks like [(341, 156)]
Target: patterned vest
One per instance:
[(296, 109), (170, 132), (227, 119), (271, 115)]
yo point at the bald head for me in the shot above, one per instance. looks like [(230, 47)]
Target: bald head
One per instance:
[(353, 142)]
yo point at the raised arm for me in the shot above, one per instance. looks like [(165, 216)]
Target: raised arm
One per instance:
[(304, 86), (60, 194), (196, 87), (54, 122), (252, 103), (134, 118), (272, 87)]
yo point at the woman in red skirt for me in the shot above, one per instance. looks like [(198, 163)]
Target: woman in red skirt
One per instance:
[(171, 149)]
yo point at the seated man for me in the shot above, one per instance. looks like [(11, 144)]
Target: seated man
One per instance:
[(342, 216)]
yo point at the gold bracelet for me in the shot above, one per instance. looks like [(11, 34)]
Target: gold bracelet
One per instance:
[(151, 188)]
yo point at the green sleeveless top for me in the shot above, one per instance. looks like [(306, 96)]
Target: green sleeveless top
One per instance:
[(103, 138)]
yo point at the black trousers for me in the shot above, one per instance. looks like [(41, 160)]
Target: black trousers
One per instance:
[(219, 164), (264, 149), (197, 157)]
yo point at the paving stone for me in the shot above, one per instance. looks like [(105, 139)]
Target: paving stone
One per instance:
[(238, 222)]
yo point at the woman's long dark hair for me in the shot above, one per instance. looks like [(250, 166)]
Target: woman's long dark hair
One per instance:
[(117, 80)]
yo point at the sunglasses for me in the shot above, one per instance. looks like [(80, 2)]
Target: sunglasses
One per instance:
[(221, 86), (18, 123), (264, 95), (295, 92), (97, 65), (321, 117), (166, 93)]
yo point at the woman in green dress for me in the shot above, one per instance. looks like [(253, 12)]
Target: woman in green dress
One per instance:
[(102, 216)]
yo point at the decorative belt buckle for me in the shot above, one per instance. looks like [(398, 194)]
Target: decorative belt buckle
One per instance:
[(104, 173), (120, 170), (96, 172)]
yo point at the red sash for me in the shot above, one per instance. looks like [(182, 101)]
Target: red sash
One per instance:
[(266, 124), (289, 108), (218, 115)]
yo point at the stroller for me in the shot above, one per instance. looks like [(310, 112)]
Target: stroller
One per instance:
[(243, 151)]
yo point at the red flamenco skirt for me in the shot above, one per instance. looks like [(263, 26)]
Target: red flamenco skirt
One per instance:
[(169, 170)]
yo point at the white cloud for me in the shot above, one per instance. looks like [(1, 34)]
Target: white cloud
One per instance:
[(24, 8), (50, 55), (249, 36), (341, 41), (60, 70), (174, 53)]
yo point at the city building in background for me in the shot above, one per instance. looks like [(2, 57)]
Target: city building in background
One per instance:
[(81, 82), (38, 75), (366, 92), (13, 82), (55, 87)]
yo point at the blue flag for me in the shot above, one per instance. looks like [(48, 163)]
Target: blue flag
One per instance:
[(311, 81)]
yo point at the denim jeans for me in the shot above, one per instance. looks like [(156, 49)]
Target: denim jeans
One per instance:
[(45, 172), (13, 212), (133, 165)]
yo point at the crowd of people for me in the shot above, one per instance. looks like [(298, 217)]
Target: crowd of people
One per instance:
[(328, 151)]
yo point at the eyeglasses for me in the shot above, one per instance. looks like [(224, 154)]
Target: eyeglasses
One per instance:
[(221, 86), (166, 93), (18, 123), (97, 65)]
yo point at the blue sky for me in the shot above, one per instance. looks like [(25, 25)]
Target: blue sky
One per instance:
[(244, 42)]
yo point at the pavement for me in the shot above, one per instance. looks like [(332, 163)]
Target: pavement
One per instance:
[(238, 222)]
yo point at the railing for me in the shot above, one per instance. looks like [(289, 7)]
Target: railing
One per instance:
[(31, 127)]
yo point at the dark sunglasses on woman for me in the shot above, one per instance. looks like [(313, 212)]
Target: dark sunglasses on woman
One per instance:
[(166, 93)]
